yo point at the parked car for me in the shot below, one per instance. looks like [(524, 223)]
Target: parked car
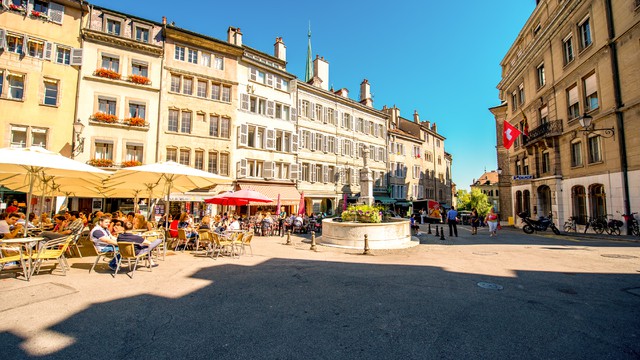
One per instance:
[(465, 217)]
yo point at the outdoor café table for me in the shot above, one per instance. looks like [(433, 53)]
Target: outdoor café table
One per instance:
[(28, 243)]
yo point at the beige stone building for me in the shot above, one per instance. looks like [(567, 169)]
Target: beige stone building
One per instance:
[(40, 55), (487, 183), (573, 60)]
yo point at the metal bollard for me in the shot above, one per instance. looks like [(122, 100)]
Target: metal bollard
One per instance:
[(429, 229), (441, 233), (437, 231), (288, 237), (366, 245), (313, 241)]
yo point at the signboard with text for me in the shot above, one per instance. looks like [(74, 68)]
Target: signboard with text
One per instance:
[(522, 177)]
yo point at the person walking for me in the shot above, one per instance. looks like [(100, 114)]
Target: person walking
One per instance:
[(452, 220), (475, 221), (492, 220)]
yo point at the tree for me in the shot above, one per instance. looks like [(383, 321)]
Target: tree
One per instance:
[(463, 200), (480, 201)]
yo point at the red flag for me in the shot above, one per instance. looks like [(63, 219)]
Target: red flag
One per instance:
[(301, 209), (525, 129), (509, 134)]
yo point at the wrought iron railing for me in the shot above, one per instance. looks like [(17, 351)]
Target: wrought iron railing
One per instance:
[(551, 128)]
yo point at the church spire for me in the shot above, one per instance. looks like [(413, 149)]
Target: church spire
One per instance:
[(309, 70)]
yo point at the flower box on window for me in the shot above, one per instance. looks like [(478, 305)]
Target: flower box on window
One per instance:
[(139, 79), (135, 121), (107, 73), (131, 163), (40, 15), (100, 162), (18, 8), (108, 118)]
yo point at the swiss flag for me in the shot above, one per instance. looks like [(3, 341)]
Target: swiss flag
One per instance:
[(509, 134)]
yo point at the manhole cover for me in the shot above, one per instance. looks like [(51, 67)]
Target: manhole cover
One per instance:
[(490, 286), (618, 256), (485, 253)]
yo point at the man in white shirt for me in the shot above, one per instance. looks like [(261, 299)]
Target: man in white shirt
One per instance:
[(5, 226), (234, 225)]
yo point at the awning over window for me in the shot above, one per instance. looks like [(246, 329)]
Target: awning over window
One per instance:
[(384, 199), (289, 195)]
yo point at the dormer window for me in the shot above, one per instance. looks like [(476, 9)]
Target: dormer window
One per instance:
[(142, 34), (113, 27)]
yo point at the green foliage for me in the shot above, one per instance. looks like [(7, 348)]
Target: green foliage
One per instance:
[(363, 213), (479, 201), (463, 200)]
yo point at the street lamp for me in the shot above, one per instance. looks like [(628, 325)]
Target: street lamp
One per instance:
[(499, 171), (78, 141), (586, 122)]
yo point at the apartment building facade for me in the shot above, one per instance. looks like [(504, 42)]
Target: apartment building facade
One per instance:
[(572, 61), (40, 56)]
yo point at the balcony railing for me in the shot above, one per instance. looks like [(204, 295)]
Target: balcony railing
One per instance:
[(548, 129)]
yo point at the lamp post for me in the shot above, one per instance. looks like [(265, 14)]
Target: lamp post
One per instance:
[(77, 144), (586, 122)]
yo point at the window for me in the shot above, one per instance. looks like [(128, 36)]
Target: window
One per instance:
[(254, 168), (173, 120), (215, 91), (41, 6), (304, 108), (573, 110), (63, 55), (113, 27), (331, 116), (192, 56), (18, 136), (142, 69), (224, 128), (319, 143), (546, 165), (187, 86), (202, 88), (111, 63), (134, 153), (281, 171), (282, 112), (175, 83), (360, 125), (179, 53), (567, 49), (199, 160), (541, 77), (107, 106), (415, 171), (305, 175), (103, 150), (318, 112), (218, 62), (256, 137), (224, 164), (172, 155), (205, 59), (142, 34), (576, 154), (212, 164), (185, 125), (137, 110), (525, 166), (595, 149), (184, 156), (16, 86), (514, 101), (543, 112), (15, 43), (590, 92), (521, 94), (50, 92), (35, 48), (584, 29), (39, 137), (226, 93), (213, 125)]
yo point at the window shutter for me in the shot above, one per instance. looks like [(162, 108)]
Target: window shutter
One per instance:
[(270, 108), (312, 146), (338, 146), (294, 114), (356, 147), (336, 115), (270, 79), (573, 95), (3, 39), (48, 50), (353, 175), (325, 116), (325, 174), (271, 139), (76, 57), (29, 6), (324, 143), (312, 172), (244, 102), (268, 169), (56, 12), (294, 143), (312, 111), (5, 4), (25, 44), (242, 168), (301, 139), (243, 134), (590, 85), (294, 173), (253, 74), (367, 126), (375, 130)]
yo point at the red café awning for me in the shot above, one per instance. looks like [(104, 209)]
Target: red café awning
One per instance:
[(289, 195)]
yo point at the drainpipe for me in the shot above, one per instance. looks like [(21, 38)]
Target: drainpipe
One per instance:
[(75, 111), (164, 42), (617, 92)]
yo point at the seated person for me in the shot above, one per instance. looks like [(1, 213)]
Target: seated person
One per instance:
[(45, 221), (72, 226), (414, 225), (204, 223), (117, 227), (9, 227), (142, 246), (234, 224), (103, 240), (140, 223)]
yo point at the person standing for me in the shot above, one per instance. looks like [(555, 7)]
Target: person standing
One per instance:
[(13, 207), (452, 220), (492, 220), (475, 221), (422, 215)]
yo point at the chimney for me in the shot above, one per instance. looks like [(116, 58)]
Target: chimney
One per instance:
[(394, 114), (234, 36), (343, 92), (434, 128), (416, 117), (427, 124), (164, 20), (279, 50), (365, 93), (321, 71)]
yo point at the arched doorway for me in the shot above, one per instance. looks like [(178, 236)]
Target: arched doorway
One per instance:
[(579, 204), (597, 200), (544, 200), (518, 202)]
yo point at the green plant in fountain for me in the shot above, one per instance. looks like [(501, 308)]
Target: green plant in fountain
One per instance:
[(363, 213)]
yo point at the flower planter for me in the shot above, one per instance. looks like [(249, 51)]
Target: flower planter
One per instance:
[(100, 162), (131, 163), (135, 121), (39, 15), (106, 73), (107, 118), (139, 79)]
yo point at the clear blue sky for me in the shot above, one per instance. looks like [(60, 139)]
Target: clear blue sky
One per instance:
[(440, 58)]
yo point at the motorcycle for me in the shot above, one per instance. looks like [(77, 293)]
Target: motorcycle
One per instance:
[(537, 225)]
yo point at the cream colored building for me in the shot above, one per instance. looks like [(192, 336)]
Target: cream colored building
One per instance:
[(487, 183), (40, 54), (572, 58), (120, 83)]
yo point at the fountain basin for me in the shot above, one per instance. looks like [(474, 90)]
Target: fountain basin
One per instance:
[(393, 234)]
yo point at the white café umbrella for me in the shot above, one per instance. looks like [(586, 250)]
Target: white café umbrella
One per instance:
[(38, 164), (168, 176)]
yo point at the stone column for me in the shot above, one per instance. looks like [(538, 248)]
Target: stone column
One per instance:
[(366, 181)]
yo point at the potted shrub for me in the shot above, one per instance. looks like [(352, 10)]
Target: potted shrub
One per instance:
[(107, 73), (107, 118), (139, 79), (101, 162), (18, 8), (362, 213), (40, 15), (135, 121), (131, 163)]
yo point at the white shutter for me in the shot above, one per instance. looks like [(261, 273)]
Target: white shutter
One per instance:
[(244, 102), (336, 114), (375, 129), (5, 4), (356, 147), (243, 135), (25, 44), (312, 138), (325, 116), (3, 39), (324, 143), (268, 169), (339, 146), (253, 74), (242, 168), (590, 85), (56, 12), (48, 50), (294, 172), (367, 126), (325, 173), (269, 79), (354, 150), (294, 114), (301, 143), (353, 176), (270, 108), (313, 176), (311, 110), (335, 145), (294, 143), (76, 57), (271, 139), (29, 6)]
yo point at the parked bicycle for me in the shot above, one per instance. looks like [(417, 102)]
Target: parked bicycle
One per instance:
[(597, 224), (571, 225), (613, 226), (632, 222)]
